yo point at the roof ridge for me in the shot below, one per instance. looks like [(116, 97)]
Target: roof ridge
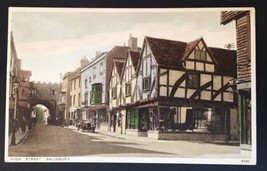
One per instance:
[(178, 41)]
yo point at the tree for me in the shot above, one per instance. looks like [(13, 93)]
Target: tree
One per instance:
[(39, 114)]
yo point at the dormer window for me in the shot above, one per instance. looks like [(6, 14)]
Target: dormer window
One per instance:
[(200, 55)]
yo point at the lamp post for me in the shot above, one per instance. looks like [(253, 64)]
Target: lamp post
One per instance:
[(14, 123)]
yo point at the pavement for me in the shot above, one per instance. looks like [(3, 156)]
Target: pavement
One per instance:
[(19, 136)]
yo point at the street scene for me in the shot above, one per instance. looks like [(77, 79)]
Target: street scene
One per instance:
[(48, 140), (133, 84)]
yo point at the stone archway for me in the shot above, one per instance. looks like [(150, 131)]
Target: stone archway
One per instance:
[(49, 106), (48, 95)]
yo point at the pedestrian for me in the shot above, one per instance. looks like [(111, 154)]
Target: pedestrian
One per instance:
[(23, 125)]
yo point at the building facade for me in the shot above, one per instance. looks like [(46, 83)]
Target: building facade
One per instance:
[(14, 69), (24, 94), (123, 92), (243, 82), (95, 88), (93, 95), (182, 92), (117, 115), (75, 98), (66, 88)]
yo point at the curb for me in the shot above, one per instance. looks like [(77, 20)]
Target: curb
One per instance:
[(25, 137)]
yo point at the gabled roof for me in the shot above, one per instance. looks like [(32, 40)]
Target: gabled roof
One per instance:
[(167, 52), (134, 57), (119, 65), (116, 52), (226, 60), (190, 47), (172, 53)]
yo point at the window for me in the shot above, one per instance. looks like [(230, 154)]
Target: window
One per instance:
[(94, 74), (212, 120), (132, 119), (85, 83), (74, 84), (128, 89), (86, 98), (74, 97), (70, 100), (146, 83), (79, 99), (114, 92), (192, 81), (96, 94), (101, 68), (52, 92), (90, 79), (200, 55)]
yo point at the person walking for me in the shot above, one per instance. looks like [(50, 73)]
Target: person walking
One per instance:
[(23, 125)]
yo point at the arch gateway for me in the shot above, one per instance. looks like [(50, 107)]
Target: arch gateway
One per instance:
[(48, 95)]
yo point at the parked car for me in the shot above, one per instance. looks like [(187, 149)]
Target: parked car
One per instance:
[(86, 125)]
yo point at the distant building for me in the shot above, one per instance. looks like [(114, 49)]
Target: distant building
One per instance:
[(75, 98), (18, 98), (68, 92), (95, 87)]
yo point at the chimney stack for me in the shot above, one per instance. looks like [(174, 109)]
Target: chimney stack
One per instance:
[(132, 42)]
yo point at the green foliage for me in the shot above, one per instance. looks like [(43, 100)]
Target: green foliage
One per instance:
[(39, 114)]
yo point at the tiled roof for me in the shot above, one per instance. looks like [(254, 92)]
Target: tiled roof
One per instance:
[(173, 53), (226, 60), (119, 66), (167, 52), (134, 57), (189, 48), (115, 52)]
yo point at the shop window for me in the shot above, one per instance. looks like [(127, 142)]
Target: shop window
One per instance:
[(132, 119), (209, 120)]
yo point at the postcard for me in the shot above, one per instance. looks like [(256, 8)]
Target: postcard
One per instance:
[(128, 85)]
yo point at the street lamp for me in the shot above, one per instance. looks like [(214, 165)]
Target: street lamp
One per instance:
[(14, 126)]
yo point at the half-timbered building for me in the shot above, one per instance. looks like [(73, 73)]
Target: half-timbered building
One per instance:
[(183, 91), (115, 93)]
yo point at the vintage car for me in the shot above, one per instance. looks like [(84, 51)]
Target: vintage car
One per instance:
[(86, 125)]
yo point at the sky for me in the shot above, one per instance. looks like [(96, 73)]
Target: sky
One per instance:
[(52, 41)]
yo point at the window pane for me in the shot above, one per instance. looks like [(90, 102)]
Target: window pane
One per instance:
[(192, 81), (203, 55), (197, 54)]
